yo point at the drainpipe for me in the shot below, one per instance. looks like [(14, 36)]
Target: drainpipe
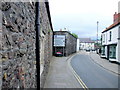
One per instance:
[(118, 44), (37, 29)]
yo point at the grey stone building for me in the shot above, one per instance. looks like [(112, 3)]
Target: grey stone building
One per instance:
[(70, 43), (17, 44)]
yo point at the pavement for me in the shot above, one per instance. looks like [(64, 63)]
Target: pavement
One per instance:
[(62, 75), (111, 66)]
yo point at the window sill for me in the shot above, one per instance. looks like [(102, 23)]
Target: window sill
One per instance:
[(102, 54), (112, 57)]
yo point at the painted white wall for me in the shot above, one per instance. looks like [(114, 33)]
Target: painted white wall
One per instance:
[(77, 49), (106, 51), (118, 49), (114, 38), (106, 36), (86, 46), (104, 39)]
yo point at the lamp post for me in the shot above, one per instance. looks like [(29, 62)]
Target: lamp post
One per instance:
[(97, 38), (97, 32)]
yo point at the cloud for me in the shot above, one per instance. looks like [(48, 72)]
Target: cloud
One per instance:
[(81, 16)]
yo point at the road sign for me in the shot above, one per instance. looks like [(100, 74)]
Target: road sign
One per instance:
[(59, 40)]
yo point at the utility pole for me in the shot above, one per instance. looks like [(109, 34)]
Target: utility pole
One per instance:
[(97, 38), (97, 32)]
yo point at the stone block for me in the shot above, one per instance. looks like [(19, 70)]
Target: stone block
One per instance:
[(18, 20), (10, 54), (23, 45), (5, 6), (15, 37)]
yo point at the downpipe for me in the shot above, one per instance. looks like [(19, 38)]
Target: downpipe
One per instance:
[(37, 29)]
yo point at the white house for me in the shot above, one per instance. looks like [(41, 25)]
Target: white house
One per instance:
[(111, 40), (78, 41), (86, 44)]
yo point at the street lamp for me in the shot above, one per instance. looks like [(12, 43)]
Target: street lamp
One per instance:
[(97, 38)]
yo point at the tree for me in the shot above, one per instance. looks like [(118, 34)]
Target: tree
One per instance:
[(75, 35)]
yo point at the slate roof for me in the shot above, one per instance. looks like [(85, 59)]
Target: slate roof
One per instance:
[(113, 25), (86, 40)]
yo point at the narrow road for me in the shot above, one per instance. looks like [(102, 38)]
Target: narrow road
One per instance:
[(92, 74)]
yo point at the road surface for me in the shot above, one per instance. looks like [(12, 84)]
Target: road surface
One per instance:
[(92, 74)]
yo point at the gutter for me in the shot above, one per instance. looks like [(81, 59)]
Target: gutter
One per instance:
[(110, 28), (48, 12), (37, 29)]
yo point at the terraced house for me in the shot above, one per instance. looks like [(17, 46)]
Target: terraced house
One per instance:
[(111, 40)]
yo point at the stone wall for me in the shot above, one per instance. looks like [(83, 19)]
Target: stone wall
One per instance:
[(70, 43), (18, 45), (46, 41), (0, 50), (17, 52)]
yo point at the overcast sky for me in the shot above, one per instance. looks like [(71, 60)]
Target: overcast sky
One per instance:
[(81, 16)]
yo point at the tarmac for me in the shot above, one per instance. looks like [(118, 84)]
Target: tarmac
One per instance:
[(62, 75), (106, 64)]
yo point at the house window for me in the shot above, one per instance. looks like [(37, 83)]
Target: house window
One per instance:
[(103, 37), (110, 36), (112, 52), (103, 50)]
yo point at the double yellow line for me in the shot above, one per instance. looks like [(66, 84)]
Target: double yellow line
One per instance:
[(80, 81), (77, 77)]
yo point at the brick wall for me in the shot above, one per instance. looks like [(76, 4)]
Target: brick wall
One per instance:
[(17, 53), (116, 17)]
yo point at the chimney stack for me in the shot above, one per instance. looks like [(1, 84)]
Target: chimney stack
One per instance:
[(115, 17)]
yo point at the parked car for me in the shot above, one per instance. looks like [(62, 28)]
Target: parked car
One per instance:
[(58, 54), (93, 49), (87, 50)]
